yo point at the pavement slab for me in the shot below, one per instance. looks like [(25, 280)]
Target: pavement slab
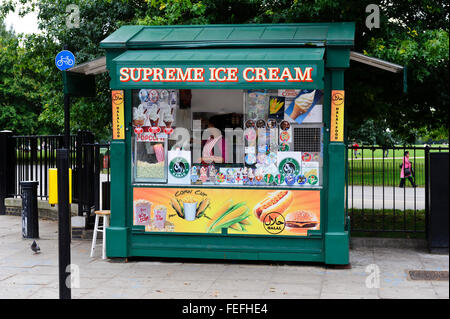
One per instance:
[(24, 274)]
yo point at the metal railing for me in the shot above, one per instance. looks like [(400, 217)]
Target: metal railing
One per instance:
[(35, 155), (375, 201), (93, 166)]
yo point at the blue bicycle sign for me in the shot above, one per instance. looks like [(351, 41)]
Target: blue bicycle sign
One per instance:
[(64, 60)]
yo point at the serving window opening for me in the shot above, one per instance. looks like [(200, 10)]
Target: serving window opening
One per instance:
[(224, 137)]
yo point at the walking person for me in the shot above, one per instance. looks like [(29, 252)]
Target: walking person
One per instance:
[(355, 148), (406, 171)]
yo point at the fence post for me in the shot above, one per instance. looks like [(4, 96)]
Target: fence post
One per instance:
[(7, 168), (427, 188), (78, 171)]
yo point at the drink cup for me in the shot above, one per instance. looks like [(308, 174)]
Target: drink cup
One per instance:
[(190, 210)]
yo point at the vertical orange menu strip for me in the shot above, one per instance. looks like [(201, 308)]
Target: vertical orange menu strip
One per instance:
[(337, 116), (118, 115)]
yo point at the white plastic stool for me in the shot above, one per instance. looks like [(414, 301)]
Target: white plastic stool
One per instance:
[(105, 214)]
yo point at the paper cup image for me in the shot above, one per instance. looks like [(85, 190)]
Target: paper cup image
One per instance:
[(159, 216), (302, 104), (190, 210), (142, 209)]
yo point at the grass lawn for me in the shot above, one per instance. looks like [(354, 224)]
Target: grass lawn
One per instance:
[(371, 168), (385, 172), (394, 224), (378, 153)]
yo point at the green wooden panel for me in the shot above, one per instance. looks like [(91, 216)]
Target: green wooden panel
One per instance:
[(77, 84), (295, 34), (225, 247), (209, 58), (288, 55)]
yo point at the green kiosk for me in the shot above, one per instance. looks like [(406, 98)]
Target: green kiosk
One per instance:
[(228, 141)]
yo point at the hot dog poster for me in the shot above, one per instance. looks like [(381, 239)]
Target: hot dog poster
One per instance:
[(218, 210)]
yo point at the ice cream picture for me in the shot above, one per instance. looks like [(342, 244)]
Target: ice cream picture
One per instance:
[(153, 117), (168, 118), (302, 104), (138, 116)]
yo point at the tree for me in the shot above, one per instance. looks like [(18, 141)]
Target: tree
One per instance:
[(413, 33), (19, 92)]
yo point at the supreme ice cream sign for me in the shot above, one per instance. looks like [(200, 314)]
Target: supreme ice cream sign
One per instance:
[(218, 74)]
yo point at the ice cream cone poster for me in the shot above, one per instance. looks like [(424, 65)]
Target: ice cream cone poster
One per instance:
[(302, 105), (337, 116), (154, 113), (231, 211)]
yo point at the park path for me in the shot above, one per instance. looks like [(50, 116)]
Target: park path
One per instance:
[(368, 158), (389, 197)]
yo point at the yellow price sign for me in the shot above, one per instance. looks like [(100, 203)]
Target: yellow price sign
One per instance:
[(118, 115), (337, 116)]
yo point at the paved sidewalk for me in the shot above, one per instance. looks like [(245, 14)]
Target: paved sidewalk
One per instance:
[(25, 275)]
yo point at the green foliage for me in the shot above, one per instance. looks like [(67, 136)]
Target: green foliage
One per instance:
[(413, 33)]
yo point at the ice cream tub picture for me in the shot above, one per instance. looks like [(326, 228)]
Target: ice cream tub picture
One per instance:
[(302, 105)]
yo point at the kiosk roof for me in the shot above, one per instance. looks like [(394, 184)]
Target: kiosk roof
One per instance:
[(249, 35)]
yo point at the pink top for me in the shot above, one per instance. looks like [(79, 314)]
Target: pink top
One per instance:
[(406, 164)]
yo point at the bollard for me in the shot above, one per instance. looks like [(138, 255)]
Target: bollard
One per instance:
[(30, 218)]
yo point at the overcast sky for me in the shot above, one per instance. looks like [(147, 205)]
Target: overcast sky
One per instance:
[(27, 24)]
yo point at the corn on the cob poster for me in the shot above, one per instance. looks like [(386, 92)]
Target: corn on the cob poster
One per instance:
[(276, 107), (233, 211)]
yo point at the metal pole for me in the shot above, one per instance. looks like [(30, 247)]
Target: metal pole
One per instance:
[(66, 115), (427, 190), (66, 121), (62, 164)]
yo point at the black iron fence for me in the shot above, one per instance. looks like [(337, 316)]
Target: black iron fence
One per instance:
[(33, 156), (379, 201), (93, 176), (375, 203)]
